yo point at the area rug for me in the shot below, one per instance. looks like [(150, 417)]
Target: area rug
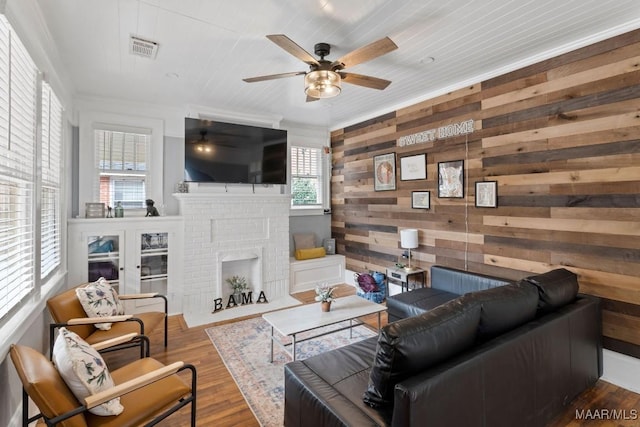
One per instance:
[(244, 348)]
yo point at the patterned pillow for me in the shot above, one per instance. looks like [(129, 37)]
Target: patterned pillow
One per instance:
[(84, 371), (99, 299)]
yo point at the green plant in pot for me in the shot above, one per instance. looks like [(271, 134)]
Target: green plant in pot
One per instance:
[(324, 294), (238, 285)]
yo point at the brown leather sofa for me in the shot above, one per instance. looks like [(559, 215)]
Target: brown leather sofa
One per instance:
[(510, 355)]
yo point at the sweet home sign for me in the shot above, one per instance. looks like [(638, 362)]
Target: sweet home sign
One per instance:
[(448, 131)]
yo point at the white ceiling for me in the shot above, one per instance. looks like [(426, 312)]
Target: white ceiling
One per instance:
[(206, 47)]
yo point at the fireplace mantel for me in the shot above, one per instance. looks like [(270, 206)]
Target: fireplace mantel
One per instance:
[(225, 226)]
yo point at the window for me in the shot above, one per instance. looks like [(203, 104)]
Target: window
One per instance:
[(50, 194), (121, 161), (307, 184), (18, 103)]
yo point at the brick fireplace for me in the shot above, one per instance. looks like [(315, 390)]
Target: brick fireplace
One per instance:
[(226, 234)]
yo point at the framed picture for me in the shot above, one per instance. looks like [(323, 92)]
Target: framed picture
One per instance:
[(486, 194), (451, 179), (420, 199), (384, 172), (413, 167)]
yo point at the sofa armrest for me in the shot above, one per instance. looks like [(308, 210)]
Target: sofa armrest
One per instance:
[(435, 397)]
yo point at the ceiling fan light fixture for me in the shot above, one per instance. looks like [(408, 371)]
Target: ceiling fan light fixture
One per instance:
[(322, 84)]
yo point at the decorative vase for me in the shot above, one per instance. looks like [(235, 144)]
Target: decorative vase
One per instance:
[(326, 305)]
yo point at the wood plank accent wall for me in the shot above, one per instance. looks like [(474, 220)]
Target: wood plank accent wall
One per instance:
[(561, 138)]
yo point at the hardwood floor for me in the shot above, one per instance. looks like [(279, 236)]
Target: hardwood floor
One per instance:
[(221, 404)]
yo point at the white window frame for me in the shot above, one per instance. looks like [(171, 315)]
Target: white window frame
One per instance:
[(324, 177), (21, 316), (92, 120)]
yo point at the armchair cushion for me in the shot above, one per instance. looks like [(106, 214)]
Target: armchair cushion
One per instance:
[(99, 299), (84, 371)]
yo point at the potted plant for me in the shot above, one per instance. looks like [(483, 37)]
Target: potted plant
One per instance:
[(324, 294), (238, 285)]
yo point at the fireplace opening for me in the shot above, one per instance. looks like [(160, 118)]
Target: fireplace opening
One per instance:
[(242, 263)]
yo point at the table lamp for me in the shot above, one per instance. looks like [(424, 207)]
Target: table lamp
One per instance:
[(409, 240)]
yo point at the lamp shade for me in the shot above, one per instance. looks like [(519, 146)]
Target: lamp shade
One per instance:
[(409, 238)]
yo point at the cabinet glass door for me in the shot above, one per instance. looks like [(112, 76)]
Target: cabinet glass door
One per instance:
[(104, 259), (154, 254)]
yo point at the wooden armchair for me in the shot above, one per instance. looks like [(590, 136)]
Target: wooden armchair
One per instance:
[(66, 310), (148, 390)]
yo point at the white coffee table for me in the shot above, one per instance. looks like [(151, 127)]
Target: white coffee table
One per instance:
[(293, 321)]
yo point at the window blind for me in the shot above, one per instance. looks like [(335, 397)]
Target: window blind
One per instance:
[(18, 77), (122, 165), (306, 176), (50, 198)]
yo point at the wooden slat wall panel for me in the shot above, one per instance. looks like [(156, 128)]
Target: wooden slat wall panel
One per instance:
[(561, 138)]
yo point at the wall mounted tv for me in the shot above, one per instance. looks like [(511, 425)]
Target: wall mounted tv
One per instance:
[(231, 153)]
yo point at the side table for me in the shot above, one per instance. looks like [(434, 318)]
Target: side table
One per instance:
[(403, 276)]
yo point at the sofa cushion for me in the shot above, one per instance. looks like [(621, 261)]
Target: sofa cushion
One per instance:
[(556, 288), (411, 345), (418, 301), (504, 308), (460, 282)]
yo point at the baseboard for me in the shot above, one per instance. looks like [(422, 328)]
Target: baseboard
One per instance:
[(621, 370)]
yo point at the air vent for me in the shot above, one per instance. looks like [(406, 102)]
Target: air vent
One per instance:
[(146, 48)]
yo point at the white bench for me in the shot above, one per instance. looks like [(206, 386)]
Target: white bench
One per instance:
[(307, 273)]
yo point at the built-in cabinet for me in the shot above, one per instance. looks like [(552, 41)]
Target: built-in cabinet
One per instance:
[(136, 255)]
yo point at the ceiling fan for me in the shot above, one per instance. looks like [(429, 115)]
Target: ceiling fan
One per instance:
[(323, 80)]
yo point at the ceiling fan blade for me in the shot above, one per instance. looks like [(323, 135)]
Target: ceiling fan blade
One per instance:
[(273, 76), (368, 52), (290, 46), (366, 81), (311, 99)]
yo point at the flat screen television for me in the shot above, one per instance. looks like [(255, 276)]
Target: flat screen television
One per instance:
[(232, 153)]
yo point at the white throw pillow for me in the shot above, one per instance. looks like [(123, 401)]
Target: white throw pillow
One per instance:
[(99, 299), (84, 371)]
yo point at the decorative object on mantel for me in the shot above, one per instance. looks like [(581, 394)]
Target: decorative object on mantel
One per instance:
[(94, 210), (119, 210), (409, 240), (151, 210), (324, 294), (182, 187)]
